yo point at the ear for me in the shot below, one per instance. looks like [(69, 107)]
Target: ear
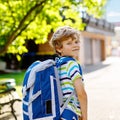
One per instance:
[(59, 49)]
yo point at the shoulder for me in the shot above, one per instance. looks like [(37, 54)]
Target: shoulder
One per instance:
[(72, 67), (73, 70), (72, 64), (67, 62)]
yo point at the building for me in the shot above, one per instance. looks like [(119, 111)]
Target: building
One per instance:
[(96, 40)]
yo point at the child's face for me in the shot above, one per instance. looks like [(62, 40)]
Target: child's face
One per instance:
[(70, 47)]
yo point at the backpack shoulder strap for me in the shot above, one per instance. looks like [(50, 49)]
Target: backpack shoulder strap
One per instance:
[(66, 102)]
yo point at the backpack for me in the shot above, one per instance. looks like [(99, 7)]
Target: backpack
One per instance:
[(42, 95)]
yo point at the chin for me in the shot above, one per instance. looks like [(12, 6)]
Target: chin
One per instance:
[(76, 57)]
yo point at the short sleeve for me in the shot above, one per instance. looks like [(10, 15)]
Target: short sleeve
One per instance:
[(73, 70)]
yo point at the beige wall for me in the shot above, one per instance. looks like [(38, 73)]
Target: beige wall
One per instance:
[(46, 49), (94, 48), (81, 55), (108, 46)]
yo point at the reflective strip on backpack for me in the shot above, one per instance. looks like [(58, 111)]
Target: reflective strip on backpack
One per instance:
[(26, 113), (24, 91), (34, 97), (30, 112), (60, 95), (53, 96), (24, 102)]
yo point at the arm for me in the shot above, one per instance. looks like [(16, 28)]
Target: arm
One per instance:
[(82, 97)]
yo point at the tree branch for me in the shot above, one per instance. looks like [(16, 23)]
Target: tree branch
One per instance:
[(21, 26)]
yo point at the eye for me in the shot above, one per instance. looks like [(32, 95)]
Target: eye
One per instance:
[(77, 41), (69, 43)]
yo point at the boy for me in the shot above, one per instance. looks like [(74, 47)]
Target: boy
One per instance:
[(66, 42)]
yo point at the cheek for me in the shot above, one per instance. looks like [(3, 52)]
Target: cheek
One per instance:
[(65, 49)]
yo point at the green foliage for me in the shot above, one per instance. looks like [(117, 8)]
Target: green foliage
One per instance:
[(95, 7), (21, 20), (18, 76)]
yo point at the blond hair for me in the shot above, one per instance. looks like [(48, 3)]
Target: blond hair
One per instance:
[(62, 34)]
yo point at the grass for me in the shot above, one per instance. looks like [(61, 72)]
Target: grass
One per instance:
[(18, 76)]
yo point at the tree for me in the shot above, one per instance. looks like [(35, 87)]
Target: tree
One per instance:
[(21, 20)]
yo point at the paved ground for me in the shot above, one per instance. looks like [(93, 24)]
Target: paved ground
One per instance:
[(102, 82), (103, 89)]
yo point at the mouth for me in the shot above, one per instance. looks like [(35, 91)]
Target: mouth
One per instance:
[(75, 49)]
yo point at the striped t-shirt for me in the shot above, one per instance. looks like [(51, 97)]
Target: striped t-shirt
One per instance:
[(68, 73)]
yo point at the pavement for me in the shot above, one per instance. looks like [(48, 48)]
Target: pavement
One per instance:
[(102, 84)]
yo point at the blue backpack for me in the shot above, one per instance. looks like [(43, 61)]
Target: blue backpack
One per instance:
[(42, 95)]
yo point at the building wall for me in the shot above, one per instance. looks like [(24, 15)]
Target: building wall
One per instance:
[(94, 48), (87, 51), (108, 46), (46, 49)]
